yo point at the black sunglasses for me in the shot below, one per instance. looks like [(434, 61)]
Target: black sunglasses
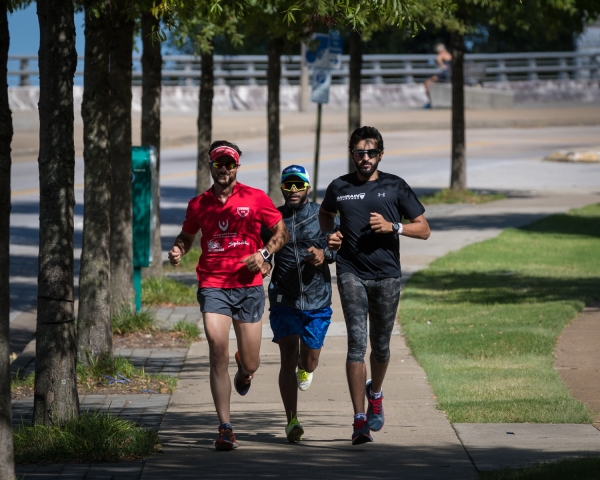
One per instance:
[(299, 186), (227, 165), (371, 153)]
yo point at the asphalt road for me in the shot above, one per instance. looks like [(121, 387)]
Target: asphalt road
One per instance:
[(508, 160)]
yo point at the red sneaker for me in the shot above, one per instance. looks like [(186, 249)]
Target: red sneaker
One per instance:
[(375, 415), (226, 439), (361, 434)]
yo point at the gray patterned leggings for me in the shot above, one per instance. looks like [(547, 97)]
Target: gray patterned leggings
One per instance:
[(377, 298)]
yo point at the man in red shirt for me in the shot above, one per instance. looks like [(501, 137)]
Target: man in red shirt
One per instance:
[(230, 285)]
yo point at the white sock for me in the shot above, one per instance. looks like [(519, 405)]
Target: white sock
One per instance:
[(376, 396), (360, 416)]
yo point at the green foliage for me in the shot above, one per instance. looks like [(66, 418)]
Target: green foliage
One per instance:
[(92, 437), (166, 291), (128, 320), (483, 321), (571, 469), (20, 381), (191, 331), (97, 367), (356, 14), (546, 17), (448, 195)]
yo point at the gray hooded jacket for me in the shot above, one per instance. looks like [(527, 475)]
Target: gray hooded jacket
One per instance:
[(294, 282)]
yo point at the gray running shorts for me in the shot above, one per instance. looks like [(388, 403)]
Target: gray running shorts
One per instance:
[(379, 300), (245, 304)]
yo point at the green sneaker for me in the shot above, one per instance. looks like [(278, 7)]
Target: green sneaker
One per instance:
[(294, 431), (304, 379)]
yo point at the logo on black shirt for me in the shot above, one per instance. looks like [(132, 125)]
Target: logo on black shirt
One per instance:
[(356, 196)]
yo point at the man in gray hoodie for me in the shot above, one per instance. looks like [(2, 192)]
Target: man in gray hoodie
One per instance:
[(299, 293)]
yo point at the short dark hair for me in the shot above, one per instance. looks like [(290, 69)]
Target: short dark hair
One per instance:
[(224, 143), (362, 133)]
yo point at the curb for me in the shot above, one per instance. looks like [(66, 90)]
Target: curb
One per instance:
[(575, 155)]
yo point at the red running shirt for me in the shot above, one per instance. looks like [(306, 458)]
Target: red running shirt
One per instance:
[(230, 232)]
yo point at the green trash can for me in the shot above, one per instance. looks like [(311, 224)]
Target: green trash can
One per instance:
[(144, 202)]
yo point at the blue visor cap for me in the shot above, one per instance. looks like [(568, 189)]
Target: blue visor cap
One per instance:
[(295, 171)]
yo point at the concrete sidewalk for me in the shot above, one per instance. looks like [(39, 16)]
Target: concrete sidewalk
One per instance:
[(417, 441)]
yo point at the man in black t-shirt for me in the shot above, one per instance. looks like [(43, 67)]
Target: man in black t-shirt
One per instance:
[(371, 205)]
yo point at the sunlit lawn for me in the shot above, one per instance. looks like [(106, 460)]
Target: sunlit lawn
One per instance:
[(483, 321)]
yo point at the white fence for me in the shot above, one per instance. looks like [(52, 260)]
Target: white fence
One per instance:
[(377, 69)]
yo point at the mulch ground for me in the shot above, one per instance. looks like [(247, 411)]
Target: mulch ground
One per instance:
[(90, 387), (136, 340), (150, 339)]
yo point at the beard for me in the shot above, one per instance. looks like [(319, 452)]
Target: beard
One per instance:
[(367, 169), (296, 205), (224, 180)]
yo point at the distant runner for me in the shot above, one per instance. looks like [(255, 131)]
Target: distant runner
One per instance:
[(230, 286), (371, 205), (443, 60), (299, 293)]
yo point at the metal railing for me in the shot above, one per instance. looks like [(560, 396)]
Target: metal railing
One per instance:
[(377, 69)]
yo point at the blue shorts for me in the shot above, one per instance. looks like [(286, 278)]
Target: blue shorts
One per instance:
[(311, 325)]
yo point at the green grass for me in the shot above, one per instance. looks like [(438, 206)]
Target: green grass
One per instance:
[(459, 196), (18, 381), (93, 373), (188, 262), (572, 469), (107, 366), (483, 321), (127, 321), (190, 331), (166, 291), (90, 438)]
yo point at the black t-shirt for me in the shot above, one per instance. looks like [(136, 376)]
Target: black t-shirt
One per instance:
[(367, 254)]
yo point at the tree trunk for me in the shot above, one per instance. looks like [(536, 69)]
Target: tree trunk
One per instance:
[(207, 90), (151, 90), (7, 463), (55, 396), (274, 51), (94, 333), (121, 249), (458, 178), (354, 87)]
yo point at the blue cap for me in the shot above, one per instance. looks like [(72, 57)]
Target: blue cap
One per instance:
[(295, 171)]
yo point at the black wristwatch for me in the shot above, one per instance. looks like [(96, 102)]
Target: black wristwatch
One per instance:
[(265, 254), (328, 254), (396, 228)]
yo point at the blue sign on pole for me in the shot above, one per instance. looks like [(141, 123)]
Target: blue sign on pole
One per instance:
[(323, 55), (317, 53), (324, 50), (321, 81)]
